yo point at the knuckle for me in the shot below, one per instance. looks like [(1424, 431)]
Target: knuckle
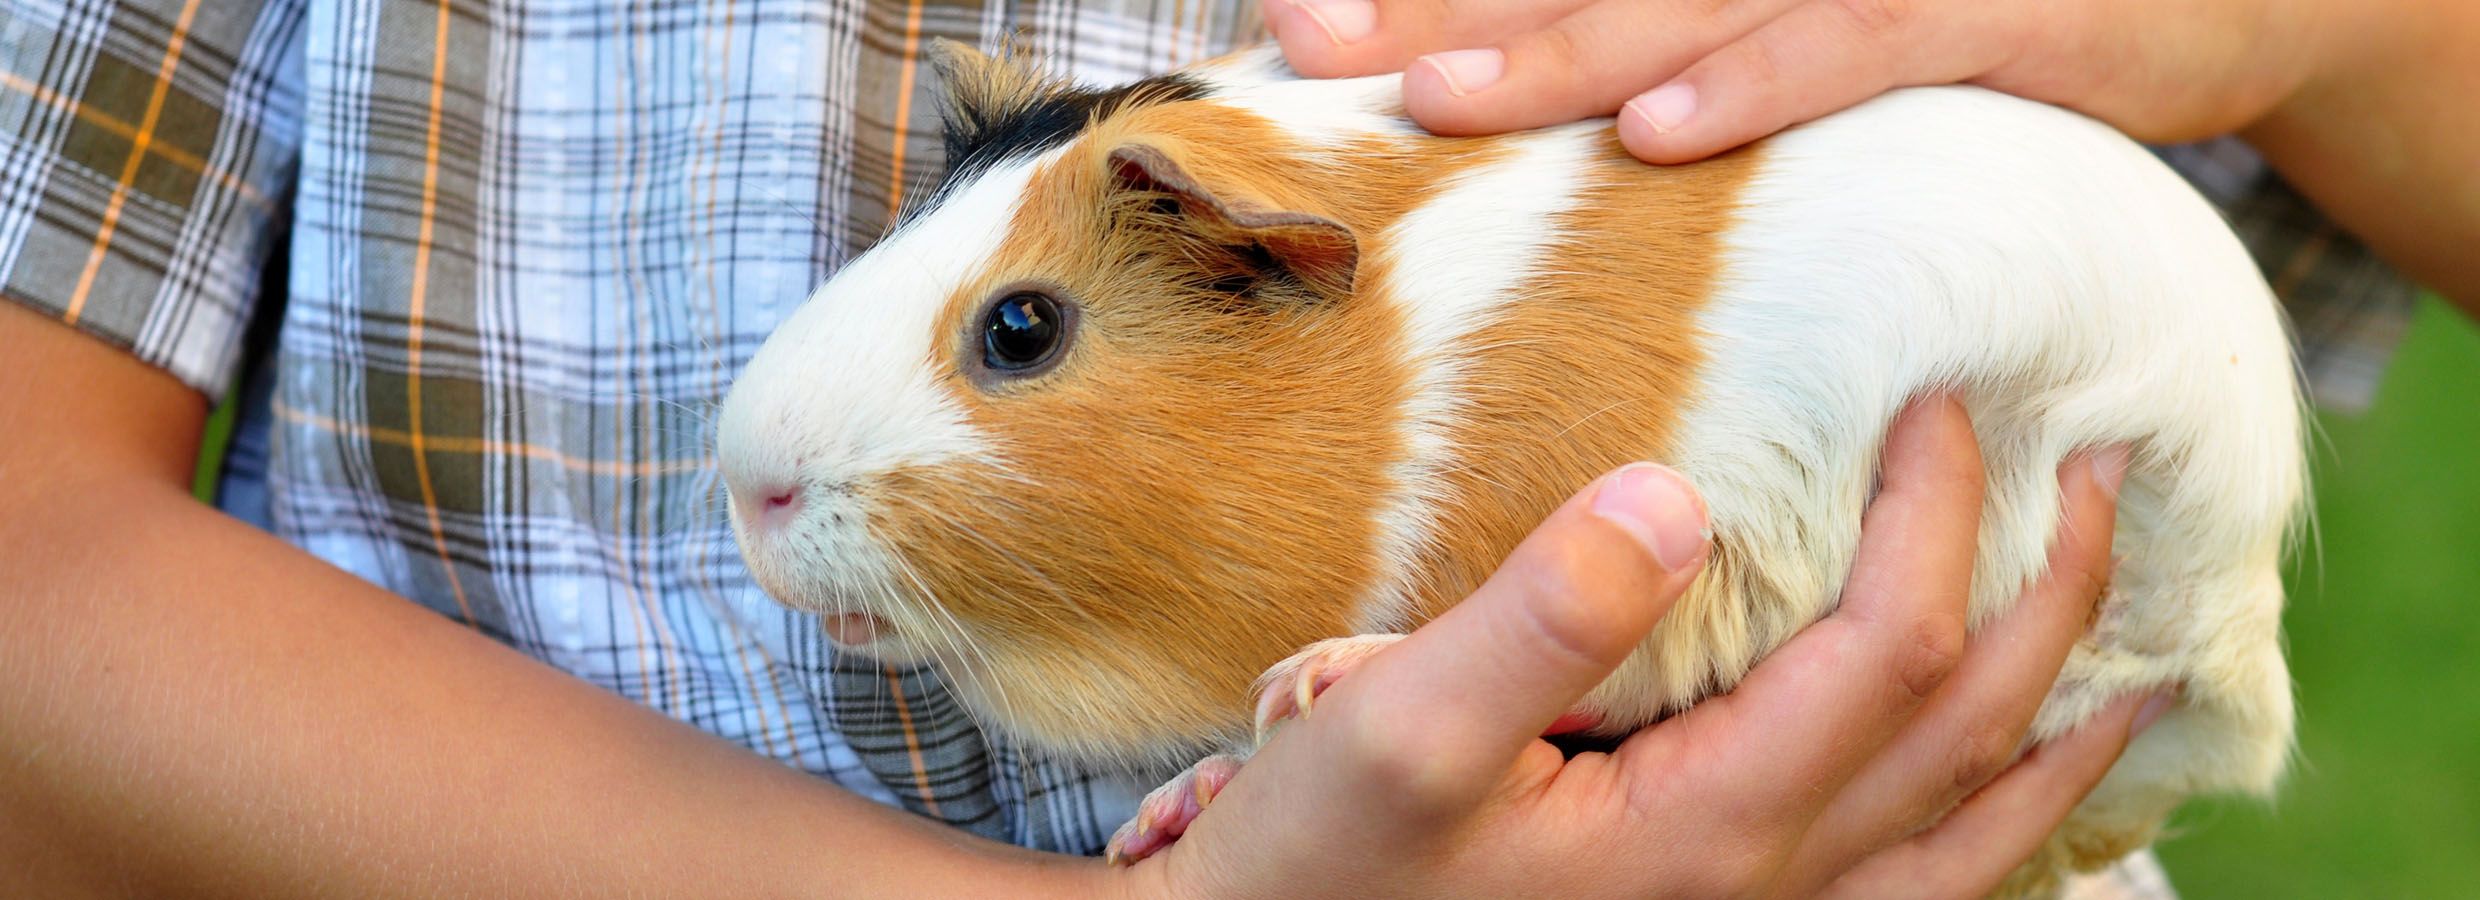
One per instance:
[(1415, 782), (1557, 45), (1875, 19), (1553, 610), (1445, 12), (1980, 755), (2006, 40), (1759, 63), (1694, 10), (1929, 650)]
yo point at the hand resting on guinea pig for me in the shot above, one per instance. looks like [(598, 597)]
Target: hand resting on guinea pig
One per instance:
[(1227, 373)]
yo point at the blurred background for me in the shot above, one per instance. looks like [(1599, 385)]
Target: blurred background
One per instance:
[(2384, 627)]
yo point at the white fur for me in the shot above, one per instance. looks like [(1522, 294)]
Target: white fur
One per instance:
[(2070, 287), (2074, 291), (1464, 254), (1320, 113), (2079, 294), (872, 333)]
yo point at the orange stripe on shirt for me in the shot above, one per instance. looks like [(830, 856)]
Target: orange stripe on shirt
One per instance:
[(121, 128), (904, 109), (129, 169), (394, 437), (419, 295), (912, 741)]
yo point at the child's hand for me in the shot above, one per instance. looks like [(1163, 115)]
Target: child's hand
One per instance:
[(1697, 77), (1420, 775)]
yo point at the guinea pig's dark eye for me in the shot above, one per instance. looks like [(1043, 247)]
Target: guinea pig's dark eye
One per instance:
[(1022, 331)]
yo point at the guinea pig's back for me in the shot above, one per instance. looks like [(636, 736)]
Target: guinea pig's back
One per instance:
[(2074, 293), (2064, 281)]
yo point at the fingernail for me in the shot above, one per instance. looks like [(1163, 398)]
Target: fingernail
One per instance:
[(1666, 107), (2152, 709), (1468, 71), (1657, 507), (1344, 21), (2110, 468)]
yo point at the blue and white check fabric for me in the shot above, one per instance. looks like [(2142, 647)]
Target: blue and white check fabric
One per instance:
[(480, 271)]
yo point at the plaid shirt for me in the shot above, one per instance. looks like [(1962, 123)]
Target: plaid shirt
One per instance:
[(483, 269)]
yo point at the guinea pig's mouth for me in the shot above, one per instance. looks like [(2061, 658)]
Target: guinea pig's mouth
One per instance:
[(827, 565), (840, 613), (853, 625), (856, 629), (847, 622)]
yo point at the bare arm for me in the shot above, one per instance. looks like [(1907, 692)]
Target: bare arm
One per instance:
[(190, 705), (2387, 140)]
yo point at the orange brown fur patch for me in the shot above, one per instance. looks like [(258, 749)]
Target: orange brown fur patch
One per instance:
[(1192, 494), (1587, 373), (1255, 427)]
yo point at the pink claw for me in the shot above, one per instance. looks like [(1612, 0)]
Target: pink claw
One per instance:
[(1165, 814), (1290, 689)]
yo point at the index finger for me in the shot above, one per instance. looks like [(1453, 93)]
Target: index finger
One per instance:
[(1822, 705), (1346, 38), (1582, 66)]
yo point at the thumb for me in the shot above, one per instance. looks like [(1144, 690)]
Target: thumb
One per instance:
[(1440, 717)]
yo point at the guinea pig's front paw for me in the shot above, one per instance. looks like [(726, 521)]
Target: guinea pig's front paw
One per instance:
[(1165, 814), (1291, 688)]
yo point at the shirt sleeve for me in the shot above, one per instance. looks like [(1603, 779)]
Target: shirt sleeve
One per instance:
[(146, 153), (2348, 309)]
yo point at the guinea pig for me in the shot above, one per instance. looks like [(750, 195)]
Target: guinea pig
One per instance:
[(1169, 381)]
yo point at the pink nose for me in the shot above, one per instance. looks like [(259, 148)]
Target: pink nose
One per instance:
[(768, 506)]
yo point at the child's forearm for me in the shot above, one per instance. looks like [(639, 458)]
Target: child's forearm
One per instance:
[(193, 707), (2385, 139)]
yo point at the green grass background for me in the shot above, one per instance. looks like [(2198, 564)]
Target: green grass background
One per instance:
[(2384, 628), (2385, 646)]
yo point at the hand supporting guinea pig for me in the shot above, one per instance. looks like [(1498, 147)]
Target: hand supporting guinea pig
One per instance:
[(1690, 78), (1835, 768)]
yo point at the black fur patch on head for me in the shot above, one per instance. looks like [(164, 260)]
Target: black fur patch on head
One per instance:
[(999, 108), (977, 139)]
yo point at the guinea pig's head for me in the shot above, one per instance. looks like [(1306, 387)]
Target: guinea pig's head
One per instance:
[(1102, 429)]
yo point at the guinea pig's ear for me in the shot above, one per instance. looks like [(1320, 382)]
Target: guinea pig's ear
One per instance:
[(1319, 252)]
